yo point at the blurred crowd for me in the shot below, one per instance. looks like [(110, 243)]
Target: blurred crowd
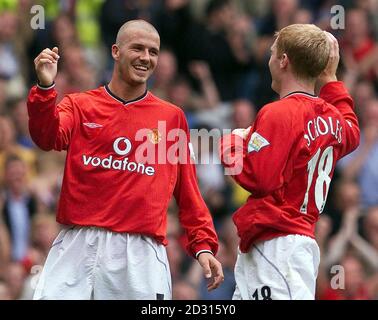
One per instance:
[(214, 65)]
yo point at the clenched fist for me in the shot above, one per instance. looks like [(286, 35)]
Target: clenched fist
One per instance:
[(46, 66)]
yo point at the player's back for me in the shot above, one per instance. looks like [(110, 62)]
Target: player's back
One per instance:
[(291, 156), (317, 143)]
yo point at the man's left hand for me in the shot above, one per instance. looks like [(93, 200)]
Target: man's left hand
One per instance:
[(243, 133), (212, 270)]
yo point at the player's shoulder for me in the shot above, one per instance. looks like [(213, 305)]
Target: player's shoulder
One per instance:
[(331, 108), (278, 109), (89, 94)]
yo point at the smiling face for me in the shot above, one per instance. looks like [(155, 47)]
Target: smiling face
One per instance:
[(136, 53)]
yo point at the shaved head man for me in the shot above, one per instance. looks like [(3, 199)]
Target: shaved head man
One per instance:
[(135, 54), (113, 205)]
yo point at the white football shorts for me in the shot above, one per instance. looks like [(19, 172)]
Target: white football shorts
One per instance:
[(93, 263), (284, 268)]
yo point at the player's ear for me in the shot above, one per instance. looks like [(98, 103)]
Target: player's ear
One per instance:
[(115, 52), (284, 61)]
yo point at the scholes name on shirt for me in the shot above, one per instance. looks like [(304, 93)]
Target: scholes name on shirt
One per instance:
[(320, 126)]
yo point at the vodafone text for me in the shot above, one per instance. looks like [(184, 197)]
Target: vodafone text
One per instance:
[(140, 153), (117, 164), (121, 165)]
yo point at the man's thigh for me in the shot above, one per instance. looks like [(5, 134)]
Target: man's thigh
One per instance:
[(284, 268)]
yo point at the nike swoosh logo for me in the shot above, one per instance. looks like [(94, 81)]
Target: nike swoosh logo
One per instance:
[(92, 125)]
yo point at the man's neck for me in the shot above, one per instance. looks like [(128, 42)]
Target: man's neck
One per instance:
[(290, 86), (125, 91)]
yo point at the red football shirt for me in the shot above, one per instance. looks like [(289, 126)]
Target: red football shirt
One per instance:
[(287, 162), (107, 182)]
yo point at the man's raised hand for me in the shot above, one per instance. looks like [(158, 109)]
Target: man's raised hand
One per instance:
[(46, 66), (329, 73)]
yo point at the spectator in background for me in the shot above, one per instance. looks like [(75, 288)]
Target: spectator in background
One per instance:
[(12, 54), (19, 207), (68, 34), (363, 92), (370, 227), (164, 75), (356, 282), (362, 163), (223, 47), (359, 50), (9, 147), (244, 113), (209, 97), (346, 197), (63, 31), (47, 184), (175, 23), (214, 41), (210, 173), (178, 260), (322, 232), (20, 119), (114, 13), (14, 276), (60, 32), (209, 110), (303, 15), (179, 93), (335, 247), (76, 74), (44, 230), (3, 95), (281, 15)]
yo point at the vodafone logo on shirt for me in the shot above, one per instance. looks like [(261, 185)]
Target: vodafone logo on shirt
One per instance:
[(122, 147), (126, 150)]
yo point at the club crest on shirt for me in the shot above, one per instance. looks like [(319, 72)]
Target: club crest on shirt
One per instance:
[(154, 136), (257, 142)]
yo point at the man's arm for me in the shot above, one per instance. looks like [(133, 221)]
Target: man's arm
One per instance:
[(335, 93), (256, 158), (50, 126), (195, 218)]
